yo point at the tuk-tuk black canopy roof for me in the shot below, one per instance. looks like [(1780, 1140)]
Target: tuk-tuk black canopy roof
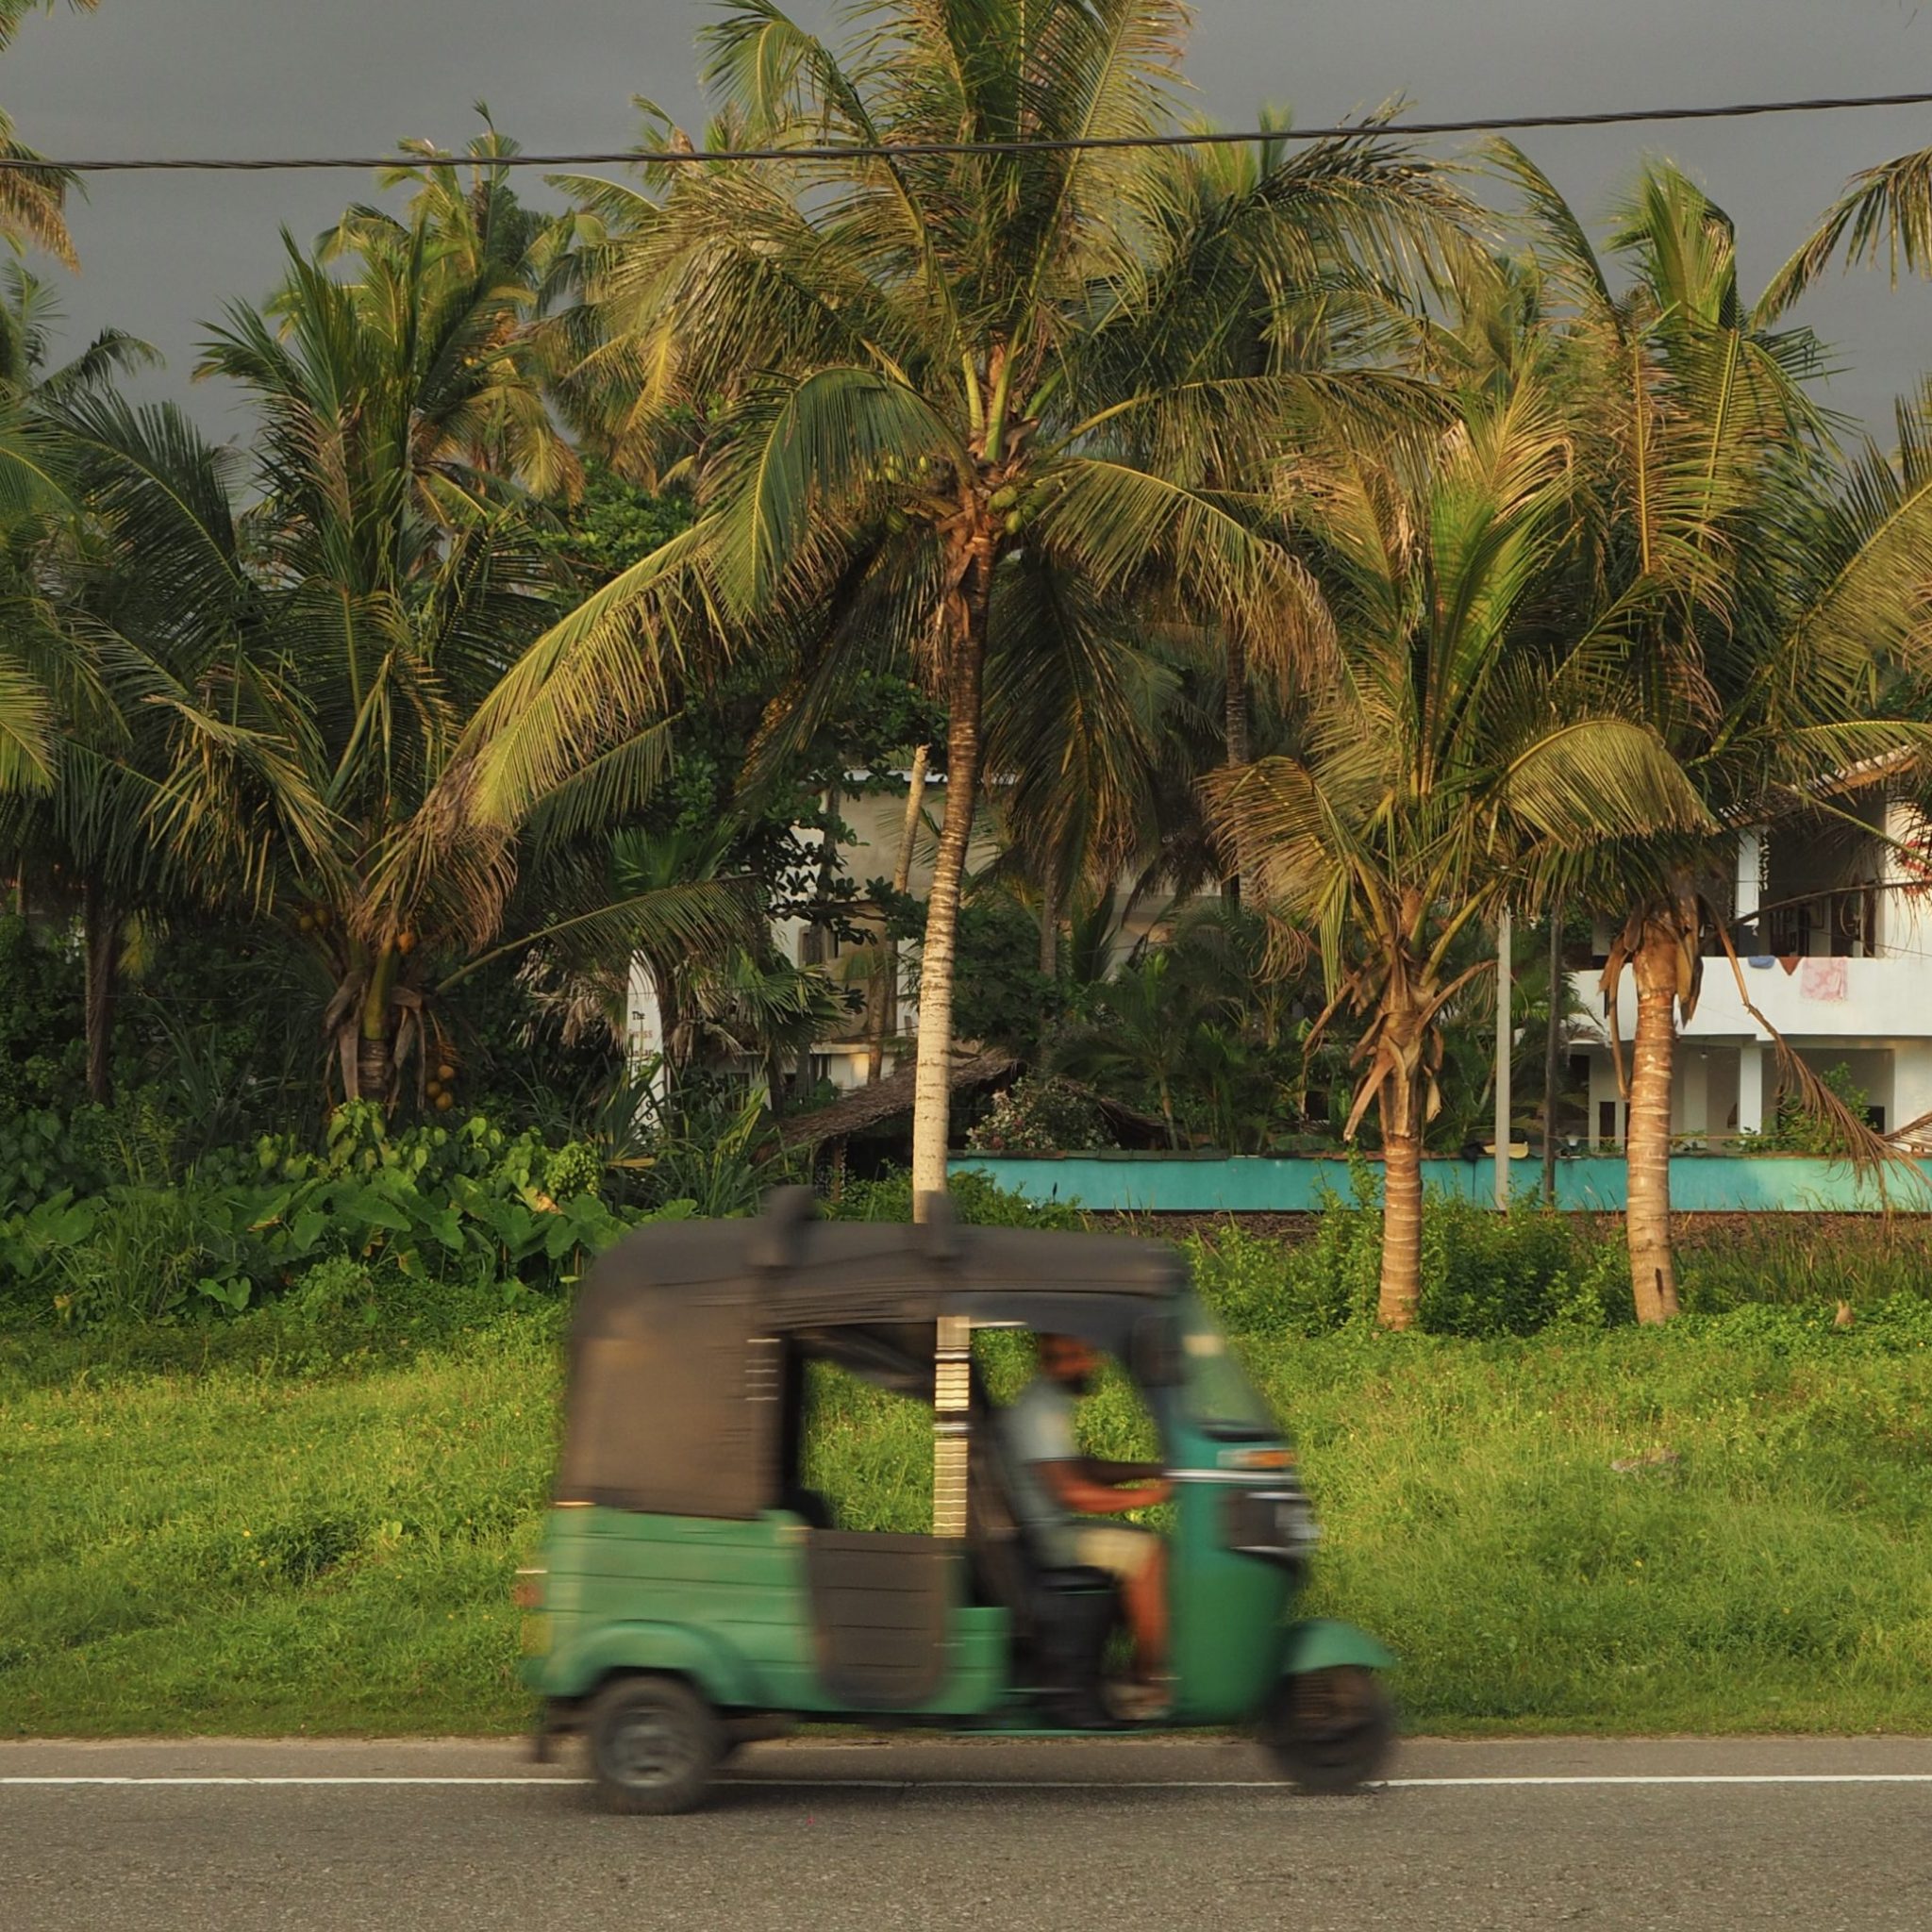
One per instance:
[(676, 1343)]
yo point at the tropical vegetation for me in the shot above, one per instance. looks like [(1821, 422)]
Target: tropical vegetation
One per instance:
[(1273, 570)]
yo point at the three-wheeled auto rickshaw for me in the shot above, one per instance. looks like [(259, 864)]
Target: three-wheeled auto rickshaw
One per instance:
[(693, 1594)]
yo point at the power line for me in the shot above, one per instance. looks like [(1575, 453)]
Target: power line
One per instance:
[(1504, 123)]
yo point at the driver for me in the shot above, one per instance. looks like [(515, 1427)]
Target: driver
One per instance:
[(1054, 1485)]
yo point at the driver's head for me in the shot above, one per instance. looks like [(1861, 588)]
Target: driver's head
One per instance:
[(1069, 1361)]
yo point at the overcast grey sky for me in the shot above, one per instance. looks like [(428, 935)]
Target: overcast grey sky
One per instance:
[(249, 77)]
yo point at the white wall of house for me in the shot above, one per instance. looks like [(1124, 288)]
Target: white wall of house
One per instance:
[(1871, 1013), (876, 822), (644, 1032)]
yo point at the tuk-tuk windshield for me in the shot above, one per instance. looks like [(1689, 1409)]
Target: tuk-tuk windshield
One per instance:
[(1220, 1399)]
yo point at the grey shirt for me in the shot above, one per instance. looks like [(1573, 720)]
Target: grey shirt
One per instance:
[(1038, 1428)]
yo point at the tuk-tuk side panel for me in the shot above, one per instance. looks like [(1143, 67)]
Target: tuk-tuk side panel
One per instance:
[(721, 1676), (620, 1586), (738, 1588), (1227, 1610), (973, 1683)]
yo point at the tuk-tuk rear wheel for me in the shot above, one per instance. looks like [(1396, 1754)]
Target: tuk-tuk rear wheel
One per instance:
[(1330, 1731), (654, 1745)]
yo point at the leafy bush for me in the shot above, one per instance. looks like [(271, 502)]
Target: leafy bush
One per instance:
[(42, 1044), (471, 1205), (1040, 1115), (151, 1253), (1484, 1275), (977, 1200), (708, 1153), (43, 1154)]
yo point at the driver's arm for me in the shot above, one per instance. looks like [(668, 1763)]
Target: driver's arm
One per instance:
[(1074, 1487), (1114, 1474)]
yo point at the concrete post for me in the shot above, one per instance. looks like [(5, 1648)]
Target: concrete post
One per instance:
[(1505, 1041), (1693, 1087), (1751, 1088)]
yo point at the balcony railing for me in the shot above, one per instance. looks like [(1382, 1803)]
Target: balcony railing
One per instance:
[(1840, 924)]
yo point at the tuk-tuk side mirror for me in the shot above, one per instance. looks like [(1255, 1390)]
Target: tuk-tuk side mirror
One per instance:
[(1153, 1352)]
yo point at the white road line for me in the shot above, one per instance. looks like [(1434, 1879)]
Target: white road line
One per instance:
[(949, 1784), (198, 1779)]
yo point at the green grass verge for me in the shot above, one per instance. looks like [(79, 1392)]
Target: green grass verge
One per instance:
[(266, 1543)]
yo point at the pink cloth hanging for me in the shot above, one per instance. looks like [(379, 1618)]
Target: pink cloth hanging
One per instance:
[(1824, 979)]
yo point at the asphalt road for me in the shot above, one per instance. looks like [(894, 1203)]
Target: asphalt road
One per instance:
[(1827, 1835)]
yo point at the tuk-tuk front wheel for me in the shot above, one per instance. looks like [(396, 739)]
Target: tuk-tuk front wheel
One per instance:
[(654, 1745), (1329, 1730)]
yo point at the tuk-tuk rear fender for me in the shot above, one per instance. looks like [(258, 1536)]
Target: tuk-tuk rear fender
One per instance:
[(1319, 1643), (713, 1668)]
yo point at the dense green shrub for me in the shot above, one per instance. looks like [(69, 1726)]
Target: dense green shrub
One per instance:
[(1040, 1115), (471, 1206), (1486, 1276), (977, 1200), (42, 1045), (1483, 1273)]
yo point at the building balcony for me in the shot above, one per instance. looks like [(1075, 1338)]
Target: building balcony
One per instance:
[(1823, 999)]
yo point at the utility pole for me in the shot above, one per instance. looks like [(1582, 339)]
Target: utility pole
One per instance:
[(1552, 1054), (1506, 1039)]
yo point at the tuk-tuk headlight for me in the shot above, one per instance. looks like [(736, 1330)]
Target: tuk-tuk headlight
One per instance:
[(1274, 1523)]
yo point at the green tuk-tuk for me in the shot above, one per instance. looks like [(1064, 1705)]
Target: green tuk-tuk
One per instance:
[(691, 1593)]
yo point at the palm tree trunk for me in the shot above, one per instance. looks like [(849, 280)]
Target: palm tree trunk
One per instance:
[(375, 1046), (1401, 1226), (884, 1002), (101, 943), (1400, 1107), (1553, 1055), (1238, 744), (1647, 1148), (932, 1088), (1052, 897)]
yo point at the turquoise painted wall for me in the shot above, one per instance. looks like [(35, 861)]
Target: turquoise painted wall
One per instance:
[(1700, 1184)]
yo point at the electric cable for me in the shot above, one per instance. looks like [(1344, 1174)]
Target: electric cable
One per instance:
[(686, 156)]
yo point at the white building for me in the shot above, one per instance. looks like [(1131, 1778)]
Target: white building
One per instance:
[(1835, 941), (876, 823)]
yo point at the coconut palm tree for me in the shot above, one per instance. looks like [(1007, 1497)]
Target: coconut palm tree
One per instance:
[(32, 199), (1767, 592), (910, 374), (475, 270), (315, 658), (1459, 750), (64, 820)]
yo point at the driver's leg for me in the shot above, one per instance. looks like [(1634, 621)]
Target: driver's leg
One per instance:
[(1145, 1592), (1138, 1560)]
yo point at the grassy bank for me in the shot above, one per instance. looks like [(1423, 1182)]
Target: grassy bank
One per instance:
[(260, 1539)]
